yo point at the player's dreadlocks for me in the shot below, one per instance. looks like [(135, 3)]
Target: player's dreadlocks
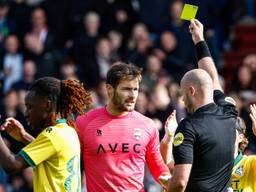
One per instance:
[(68, 96)]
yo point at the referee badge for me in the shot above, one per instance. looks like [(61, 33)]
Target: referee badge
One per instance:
[(178, 139), (230, 100), (239, 171)]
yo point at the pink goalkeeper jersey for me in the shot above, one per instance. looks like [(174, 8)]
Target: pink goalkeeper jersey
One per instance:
[(115, 150)]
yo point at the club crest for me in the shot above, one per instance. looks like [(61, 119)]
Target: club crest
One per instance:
[(239, 171)]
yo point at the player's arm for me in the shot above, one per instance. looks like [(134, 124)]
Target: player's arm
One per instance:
[(180, 178), (8, 161), (205, 60), (16, 130), (253, 117), (156, 165), (166, 143)]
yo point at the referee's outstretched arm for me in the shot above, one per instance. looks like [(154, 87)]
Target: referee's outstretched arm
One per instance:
[(205, 61)]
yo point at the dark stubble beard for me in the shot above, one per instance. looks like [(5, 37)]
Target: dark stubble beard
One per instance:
[(119, 104)]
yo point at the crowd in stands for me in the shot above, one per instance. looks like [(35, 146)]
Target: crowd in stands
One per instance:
[(81, 39)]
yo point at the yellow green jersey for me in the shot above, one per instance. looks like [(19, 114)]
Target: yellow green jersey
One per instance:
[(55, 157), (244, 174)]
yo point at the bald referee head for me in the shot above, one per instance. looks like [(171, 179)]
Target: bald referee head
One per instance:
[(197, 89)]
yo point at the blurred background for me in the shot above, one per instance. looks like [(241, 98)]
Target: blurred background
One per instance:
[(80, 39)]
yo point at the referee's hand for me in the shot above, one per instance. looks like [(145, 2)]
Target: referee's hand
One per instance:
[(197, 31), (253, 117)]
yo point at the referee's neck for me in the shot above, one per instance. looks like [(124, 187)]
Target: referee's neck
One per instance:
[(202, 103)]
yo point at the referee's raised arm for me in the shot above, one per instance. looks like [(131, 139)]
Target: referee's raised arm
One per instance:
[(204, 58)]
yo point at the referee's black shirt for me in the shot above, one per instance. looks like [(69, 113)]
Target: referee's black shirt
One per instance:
[(206, 140)]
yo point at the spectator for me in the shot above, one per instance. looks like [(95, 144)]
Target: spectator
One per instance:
[(103, 56), (179, 28), (152, 12), (68, 69), (245, 79), (12, 61), (172, 56), (116, 41), (102, 92), (176, 101), (250, 61), (152, 73), (140, 45), (29, 75), (161, 101), (39, 44), (6, 24), (142, 103), (84, 50)]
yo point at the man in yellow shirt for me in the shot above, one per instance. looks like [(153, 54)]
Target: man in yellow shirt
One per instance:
[(55, 152), (244, 170)]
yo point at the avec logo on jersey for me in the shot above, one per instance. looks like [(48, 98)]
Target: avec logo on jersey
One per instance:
[(122, 147)]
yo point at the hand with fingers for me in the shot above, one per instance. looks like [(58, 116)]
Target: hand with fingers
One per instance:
[(253, 117), (197, 31), (170, 127), (14, 128)]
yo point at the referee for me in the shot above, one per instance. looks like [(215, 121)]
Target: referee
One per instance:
[(203, 146)]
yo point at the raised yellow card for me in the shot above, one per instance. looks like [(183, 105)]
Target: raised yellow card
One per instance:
[(189, 12)]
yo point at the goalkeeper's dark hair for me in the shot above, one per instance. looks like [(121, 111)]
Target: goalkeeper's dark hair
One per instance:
[(69, 97), (120, 71)]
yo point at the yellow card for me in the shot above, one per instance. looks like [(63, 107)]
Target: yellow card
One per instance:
[(189, 12)]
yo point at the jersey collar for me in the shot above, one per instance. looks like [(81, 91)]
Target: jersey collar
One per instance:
[(58, 121), (238, 158), (205, 108)]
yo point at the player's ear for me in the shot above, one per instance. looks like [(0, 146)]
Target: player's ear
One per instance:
[(110, 90), (240, 138), (49, 106)]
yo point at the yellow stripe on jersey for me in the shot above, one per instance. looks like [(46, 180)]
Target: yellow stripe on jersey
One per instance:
[(244, 174), (55, 156)]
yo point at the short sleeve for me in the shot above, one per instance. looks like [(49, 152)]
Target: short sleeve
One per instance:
[(183, 144), (39, 150), (253, 166), (227, 103)]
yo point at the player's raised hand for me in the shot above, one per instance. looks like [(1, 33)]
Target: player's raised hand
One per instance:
[(14, 128), (253, 117), (197, 31), (171, 125)]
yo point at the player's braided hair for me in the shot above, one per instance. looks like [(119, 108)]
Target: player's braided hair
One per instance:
[(68, 96)]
